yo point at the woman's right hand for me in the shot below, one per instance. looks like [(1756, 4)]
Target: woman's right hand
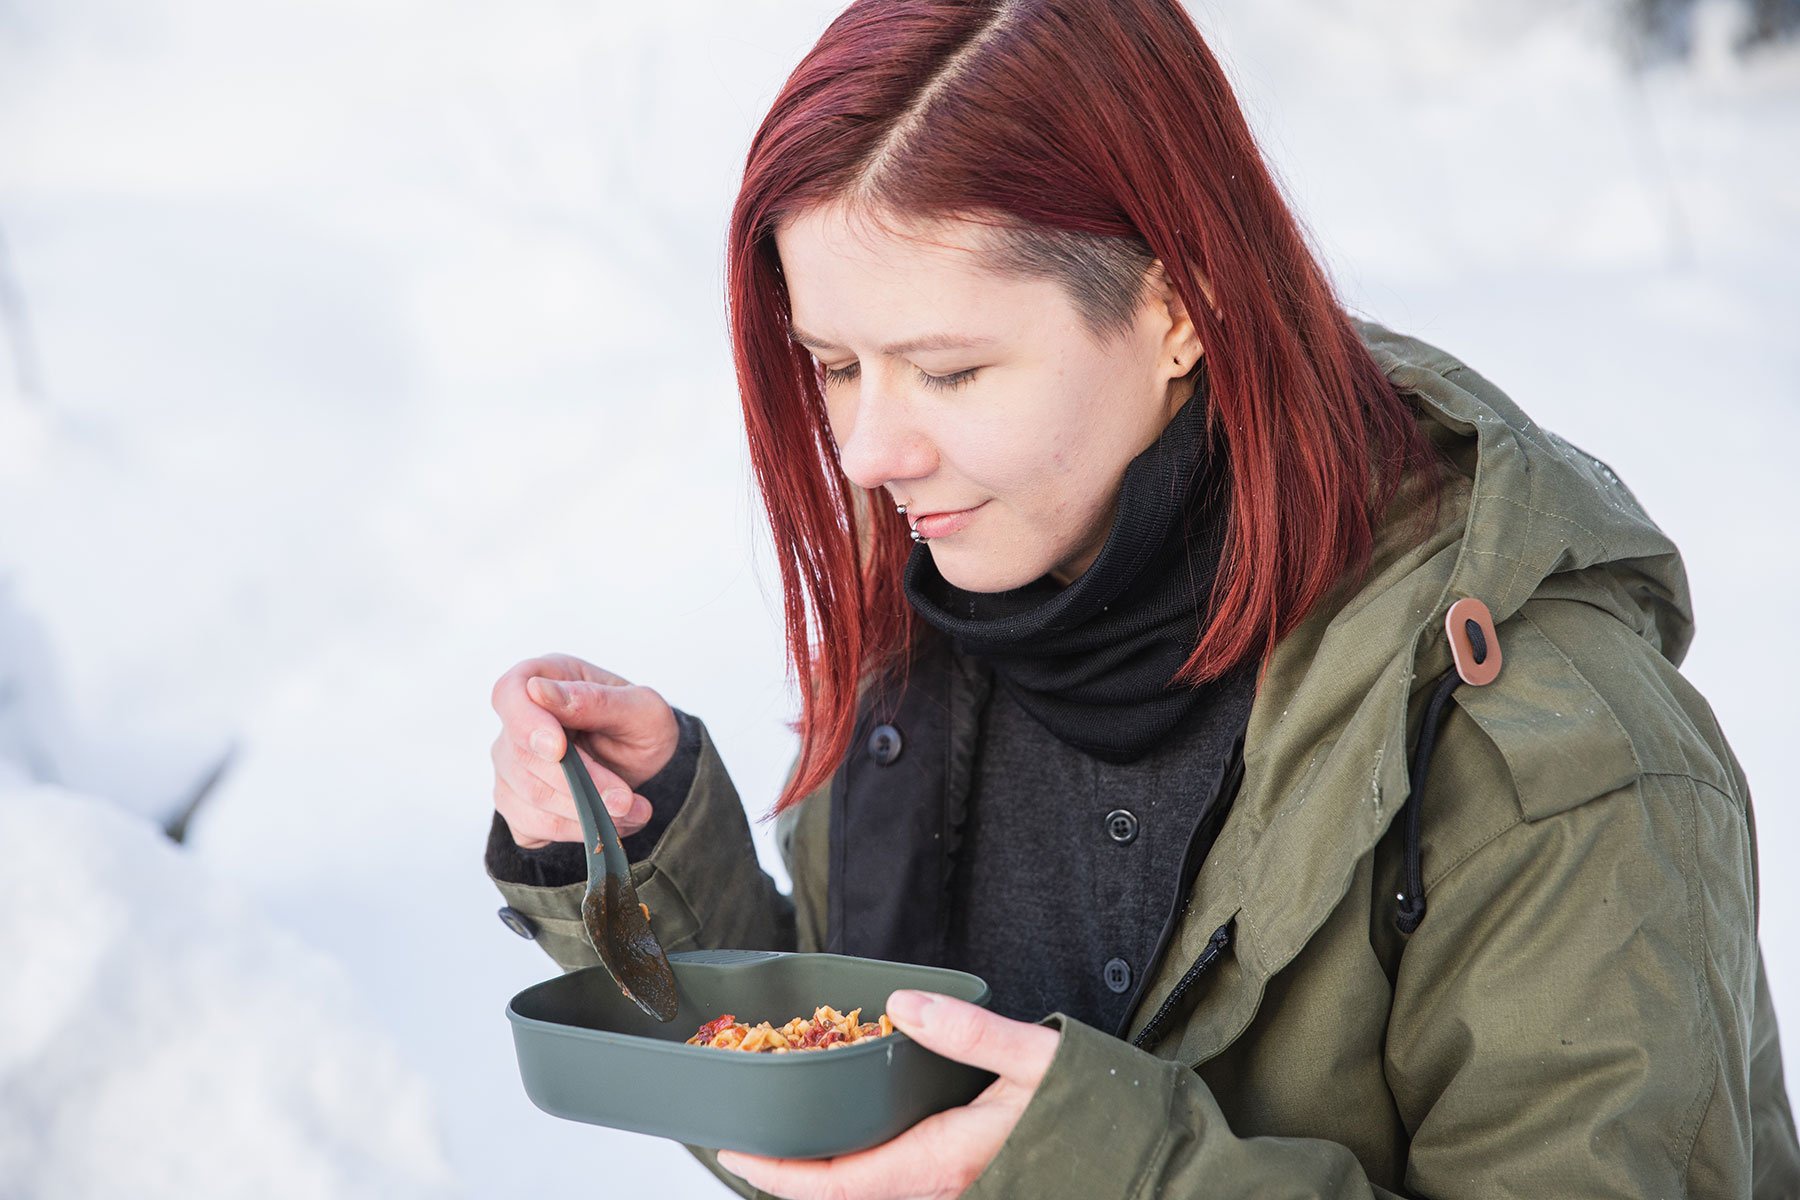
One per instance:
[(624, 732)]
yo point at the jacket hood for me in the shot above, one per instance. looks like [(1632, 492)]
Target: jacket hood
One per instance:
[(1540, 507), (1525, 515)]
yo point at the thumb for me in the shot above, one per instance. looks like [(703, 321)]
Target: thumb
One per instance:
[(574, 701), (975, 1035)]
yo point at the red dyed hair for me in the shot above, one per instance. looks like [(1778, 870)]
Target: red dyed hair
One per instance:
[(1102, 123)]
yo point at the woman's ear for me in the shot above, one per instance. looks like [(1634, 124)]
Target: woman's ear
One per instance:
[(1181, 347)]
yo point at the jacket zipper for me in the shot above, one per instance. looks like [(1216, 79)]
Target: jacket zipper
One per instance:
[(1215, 946)]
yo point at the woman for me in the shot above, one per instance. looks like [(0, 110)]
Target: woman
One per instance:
[(1149, 608)]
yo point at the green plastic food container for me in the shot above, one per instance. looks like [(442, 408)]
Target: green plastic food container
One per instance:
[(588, 1054)]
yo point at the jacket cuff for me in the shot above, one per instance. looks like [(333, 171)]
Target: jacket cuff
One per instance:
[(667, 790), (562, 863), (548, 866), (1108, 1118), (1101, 1111), (701, 881), (548, 915)]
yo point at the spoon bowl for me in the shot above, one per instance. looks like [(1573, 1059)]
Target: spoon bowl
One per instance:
[(616, 921)]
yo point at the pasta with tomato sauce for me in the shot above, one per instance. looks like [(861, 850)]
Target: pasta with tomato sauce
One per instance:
[(824, 1030)]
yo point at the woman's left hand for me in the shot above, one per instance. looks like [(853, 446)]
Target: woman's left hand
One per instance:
[(941, 1155)]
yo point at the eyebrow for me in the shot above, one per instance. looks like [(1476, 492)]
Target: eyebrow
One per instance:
[(930, 341)]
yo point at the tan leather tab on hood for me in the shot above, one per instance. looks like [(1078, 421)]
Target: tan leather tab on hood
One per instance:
[(1561, 740)]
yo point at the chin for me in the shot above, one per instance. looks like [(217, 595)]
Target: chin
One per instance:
[(974, 573)]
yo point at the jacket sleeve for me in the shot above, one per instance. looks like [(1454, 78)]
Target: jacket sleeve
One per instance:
[(1575, 1016), (701, 880), (1110, 1120)]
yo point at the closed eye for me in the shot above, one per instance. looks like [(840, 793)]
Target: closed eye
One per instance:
[(936, 382)]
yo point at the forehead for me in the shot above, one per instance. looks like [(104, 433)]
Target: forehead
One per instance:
[(853, 276), (819, 239)]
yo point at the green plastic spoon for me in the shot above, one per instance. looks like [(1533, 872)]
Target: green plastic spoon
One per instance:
[(616, 924)]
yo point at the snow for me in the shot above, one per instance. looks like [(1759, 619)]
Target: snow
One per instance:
[(157, 773), (164, 1038), (377, 347)]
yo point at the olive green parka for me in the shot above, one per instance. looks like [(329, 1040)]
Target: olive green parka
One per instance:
[(1583, 1009)]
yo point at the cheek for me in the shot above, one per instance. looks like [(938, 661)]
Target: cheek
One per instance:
[(1052, 494), (1042, 479)]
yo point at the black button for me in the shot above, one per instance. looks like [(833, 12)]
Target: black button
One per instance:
[(518, 922), (1121, 825), (1117, 974), (884, 744)]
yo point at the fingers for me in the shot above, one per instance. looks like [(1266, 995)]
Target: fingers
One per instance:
[(534, 795), (529, 772), (531, 789), (905, 1166), (622, 711), (519, 712), (532, 827)]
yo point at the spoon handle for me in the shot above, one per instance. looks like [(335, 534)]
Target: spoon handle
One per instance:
[(606, 854)]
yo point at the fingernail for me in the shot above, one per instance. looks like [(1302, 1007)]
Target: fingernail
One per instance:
[(909, 1007), (555, 692), (544, 742)]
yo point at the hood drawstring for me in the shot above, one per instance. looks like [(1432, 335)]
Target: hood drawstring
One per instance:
[(1476, 652), (1411, 901)]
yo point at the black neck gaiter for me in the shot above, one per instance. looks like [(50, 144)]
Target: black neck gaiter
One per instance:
[(1092, 661)]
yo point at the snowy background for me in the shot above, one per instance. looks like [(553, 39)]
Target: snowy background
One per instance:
[(351, 352)]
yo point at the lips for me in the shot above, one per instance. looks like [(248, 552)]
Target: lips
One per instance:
[(943, 524)]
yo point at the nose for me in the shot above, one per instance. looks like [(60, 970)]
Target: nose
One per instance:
[(878, 439)]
